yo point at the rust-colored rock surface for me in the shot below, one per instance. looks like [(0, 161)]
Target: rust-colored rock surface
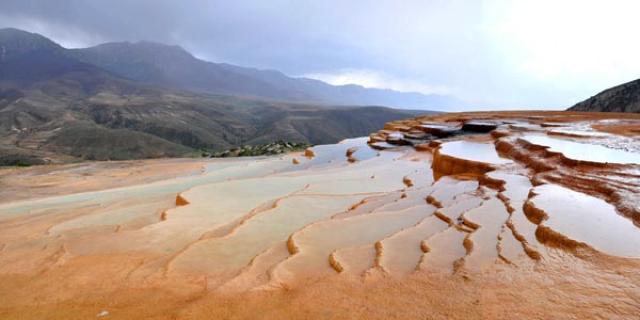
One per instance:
[(505, 215)]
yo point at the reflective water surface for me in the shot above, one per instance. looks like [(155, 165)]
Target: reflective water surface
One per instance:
[(584, 151)]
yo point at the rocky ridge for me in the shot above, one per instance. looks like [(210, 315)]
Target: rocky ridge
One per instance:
[(621, 98)]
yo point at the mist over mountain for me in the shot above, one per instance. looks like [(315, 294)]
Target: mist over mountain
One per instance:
[(166, 65), (123, 101)]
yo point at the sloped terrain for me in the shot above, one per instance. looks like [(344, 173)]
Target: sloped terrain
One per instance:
[(622, 98), (461, 216), (55, 106), (172, 66)]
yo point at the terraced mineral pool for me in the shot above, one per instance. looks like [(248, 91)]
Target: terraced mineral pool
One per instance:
[(332, 154), (584, 151), (316, 242), (473, 151), (587, 219), (339, 224)]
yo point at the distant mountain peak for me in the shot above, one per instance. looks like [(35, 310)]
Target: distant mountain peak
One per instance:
[(142, 48), (172, 66), (15, 42), (13, 32), (142, 44), (110, 102)]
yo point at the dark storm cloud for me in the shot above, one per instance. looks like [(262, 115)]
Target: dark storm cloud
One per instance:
[(489, 52), (277, 34)]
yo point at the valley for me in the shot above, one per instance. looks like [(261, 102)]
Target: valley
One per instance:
[(60, 105)]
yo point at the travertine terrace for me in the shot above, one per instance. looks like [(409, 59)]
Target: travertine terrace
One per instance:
[(453, 216)]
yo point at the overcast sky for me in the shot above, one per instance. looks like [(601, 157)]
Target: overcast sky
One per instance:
[(491, 54)]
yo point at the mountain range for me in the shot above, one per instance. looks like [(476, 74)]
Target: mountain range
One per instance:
[(172, 66), (139, 100)]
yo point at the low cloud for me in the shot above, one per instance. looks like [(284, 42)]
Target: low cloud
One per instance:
[(489, 53), (376, 79)]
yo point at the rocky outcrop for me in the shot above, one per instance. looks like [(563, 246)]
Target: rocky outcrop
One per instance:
[(622, 98)]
